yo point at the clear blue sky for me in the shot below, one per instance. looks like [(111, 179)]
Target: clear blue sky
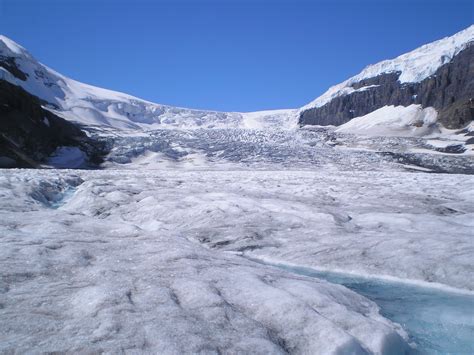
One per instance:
[(225, 55)]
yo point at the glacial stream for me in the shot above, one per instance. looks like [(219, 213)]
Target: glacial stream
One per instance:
[(437, 321)]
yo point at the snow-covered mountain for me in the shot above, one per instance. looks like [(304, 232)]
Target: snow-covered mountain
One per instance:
[(438, 75), (90, 105), (408, 97)]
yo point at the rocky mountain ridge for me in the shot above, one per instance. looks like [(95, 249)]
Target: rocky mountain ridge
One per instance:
[(438, 75)]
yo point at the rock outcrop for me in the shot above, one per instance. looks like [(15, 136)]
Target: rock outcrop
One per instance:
[(450, 90), (29, 134)]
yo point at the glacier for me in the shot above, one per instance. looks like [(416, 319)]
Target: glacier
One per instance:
[(228, 232), (132, 260), (102, 272)]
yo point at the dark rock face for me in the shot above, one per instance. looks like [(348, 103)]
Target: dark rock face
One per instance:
[(10, 65), (29, 134), (450, 91)]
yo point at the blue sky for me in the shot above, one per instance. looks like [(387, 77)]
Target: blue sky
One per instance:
[(225, 55)]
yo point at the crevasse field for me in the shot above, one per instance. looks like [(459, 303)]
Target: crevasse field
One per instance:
[(187, 245)]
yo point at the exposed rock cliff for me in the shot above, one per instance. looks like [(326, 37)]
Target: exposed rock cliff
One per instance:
[(450, 91), (29, 134)]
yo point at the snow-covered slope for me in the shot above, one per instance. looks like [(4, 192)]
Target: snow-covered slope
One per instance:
[(414, 66), (398, 121), (91, 105)]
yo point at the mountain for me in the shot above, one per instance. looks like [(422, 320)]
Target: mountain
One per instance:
[(227, 233), (93, 106), (439, 75), (29, 133), (425, 93), (42, 111)]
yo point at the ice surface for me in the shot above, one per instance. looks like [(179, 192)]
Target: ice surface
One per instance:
[(149, 260), (439, 321), (412, 226), (270, 149), (127, 259), (117, 268)]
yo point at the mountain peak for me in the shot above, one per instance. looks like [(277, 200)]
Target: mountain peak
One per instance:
[(10, 48), (413, 66), (90, 105), (435, 76)]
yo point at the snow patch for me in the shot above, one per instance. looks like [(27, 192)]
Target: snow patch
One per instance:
[(401, 121)]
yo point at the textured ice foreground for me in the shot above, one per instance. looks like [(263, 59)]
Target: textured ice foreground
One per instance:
[(438, 321), (122, 260)]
